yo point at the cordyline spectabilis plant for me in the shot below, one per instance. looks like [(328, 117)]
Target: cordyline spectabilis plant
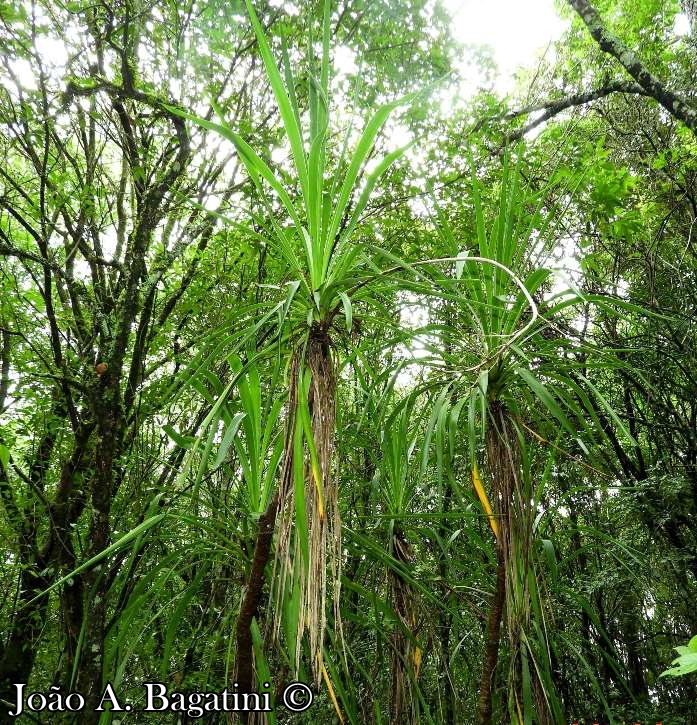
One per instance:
[(512, 353), (397, 490), (320, 211)]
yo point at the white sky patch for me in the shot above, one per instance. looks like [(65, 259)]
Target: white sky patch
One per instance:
[(25, 74), (566, 267), (681, 25), (413, 313), (175, 88), (515, 31), (287, 7), (279, 154), (345, 60), (400, 136), (212, 202), (567, 272), (52, 50), (109, 241)]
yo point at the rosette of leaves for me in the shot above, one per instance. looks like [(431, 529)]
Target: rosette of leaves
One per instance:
[(310, 217)]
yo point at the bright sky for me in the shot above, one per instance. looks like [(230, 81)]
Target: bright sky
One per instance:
[(514, 29)]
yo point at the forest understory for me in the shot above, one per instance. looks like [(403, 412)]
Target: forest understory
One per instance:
[(347, 377)]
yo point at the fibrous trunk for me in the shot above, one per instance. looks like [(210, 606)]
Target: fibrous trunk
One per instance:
[(309, 537), (307, 489), (491, 648), (502, 460), (514, 512), (405, 654)]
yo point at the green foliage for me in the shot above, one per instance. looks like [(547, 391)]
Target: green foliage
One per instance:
[(225, 287), (686, 662)]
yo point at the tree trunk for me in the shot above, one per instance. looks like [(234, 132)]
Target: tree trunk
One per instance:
[(404, 706), (18, 655), (493, 639), (96, 583), (244, 665), (249, 609)]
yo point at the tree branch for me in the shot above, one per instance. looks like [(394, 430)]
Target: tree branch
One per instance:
[(653, 86), (553, 107)]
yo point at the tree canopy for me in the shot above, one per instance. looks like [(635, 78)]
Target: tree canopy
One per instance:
[(318, 367)]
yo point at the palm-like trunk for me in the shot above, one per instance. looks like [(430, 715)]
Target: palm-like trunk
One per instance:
[(404, 708), (493, 641), (313, 364), (514, 511), (244, 665), (305, 562), (503, 462), (445, 617)]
